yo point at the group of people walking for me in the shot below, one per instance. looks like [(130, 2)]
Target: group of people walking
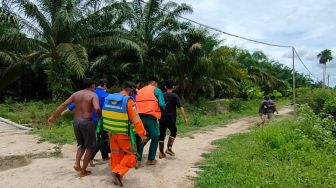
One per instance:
[(126, 121), (267, 108)]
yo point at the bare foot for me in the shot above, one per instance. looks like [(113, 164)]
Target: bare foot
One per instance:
[(138, 165), (151, 162), (77, 168), (84, 173), (91, 164)]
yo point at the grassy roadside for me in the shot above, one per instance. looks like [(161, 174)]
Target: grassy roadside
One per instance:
[(35, 114), (218, 114), (285, 154), (207, 113)]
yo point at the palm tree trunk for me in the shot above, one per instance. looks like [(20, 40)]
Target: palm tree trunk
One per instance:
[(325, 74), (323, 68)]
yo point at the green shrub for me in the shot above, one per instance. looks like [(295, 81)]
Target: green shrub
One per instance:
[(318, 129), (235, 105), (316, 98), (330, 106), (276, 94)]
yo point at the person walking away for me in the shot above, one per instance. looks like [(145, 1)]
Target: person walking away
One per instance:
[(149, 102), (120, 119), (271, 109), (168, 119), (85, 102), (102, 143), (263, 107)]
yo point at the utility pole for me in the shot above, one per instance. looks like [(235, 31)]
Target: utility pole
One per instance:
[(294, 98)]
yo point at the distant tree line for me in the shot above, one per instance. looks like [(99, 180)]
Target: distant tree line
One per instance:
[(48, 46)]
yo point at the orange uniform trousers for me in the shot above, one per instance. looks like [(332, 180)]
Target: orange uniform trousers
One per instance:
[(122, 156)]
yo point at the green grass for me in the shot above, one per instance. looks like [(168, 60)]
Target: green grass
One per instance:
[(217, 114), (279, 155), (36, 113)]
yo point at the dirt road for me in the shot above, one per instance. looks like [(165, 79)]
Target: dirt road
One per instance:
[(57, 172)]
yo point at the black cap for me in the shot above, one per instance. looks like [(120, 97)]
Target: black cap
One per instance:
[(129, 84), (153, 78), (102, 81)]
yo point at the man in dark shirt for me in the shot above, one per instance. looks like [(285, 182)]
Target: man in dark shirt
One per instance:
[(263, 108), (168, 119)]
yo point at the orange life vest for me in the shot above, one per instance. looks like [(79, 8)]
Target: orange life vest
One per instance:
[(147, 103)]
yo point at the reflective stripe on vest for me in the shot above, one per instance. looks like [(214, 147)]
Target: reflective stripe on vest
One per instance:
[(115, 117), (147, 103)]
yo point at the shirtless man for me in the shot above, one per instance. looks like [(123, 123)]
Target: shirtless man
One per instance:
[(85, 102)]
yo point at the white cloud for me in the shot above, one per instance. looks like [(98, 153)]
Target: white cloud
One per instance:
[(306, 24)]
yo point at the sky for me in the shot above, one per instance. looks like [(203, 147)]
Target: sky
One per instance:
[(309, 25)]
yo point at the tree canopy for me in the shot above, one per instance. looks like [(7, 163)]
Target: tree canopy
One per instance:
[(48, 46)]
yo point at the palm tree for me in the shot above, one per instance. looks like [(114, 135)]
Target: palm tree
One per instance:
[(60, 34), (13, 49), (193, 64), (228, 72), (156, 30), (324, 57)]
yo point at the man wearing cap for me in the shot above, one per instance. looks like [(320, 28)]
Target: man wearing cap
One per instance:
[(150, 101)]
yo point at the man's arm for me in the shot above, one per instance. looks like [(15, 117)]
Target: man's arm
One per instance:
[(182, 112), (159, 95), (59, 109), (135, 119), (70, 107), (276, 109), (181, 109)]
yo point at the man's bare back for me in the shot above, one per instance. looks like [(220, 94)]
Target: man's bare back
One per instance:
[(85, 102)]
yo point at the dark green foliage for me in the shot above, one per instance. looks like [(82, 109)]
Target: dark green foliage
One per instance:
[(235, 104), (59, 42)]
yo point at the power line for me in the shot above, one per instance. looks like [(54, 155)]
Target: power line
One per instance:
[(220, 31), (298, 56), (236, 36)]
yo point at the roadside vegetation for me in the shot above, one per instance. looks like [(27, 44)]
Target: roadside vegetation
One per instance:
[(216, 113), (48, 46), (220, 113), (285, 154)]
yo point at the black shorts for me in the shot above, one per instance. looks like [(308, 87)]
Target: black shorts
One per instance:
[(85, 133)]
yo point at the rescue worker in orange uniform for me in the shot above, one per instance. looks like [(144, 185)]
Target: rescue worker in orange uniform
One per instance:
[(150, 101), (121, 120)]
